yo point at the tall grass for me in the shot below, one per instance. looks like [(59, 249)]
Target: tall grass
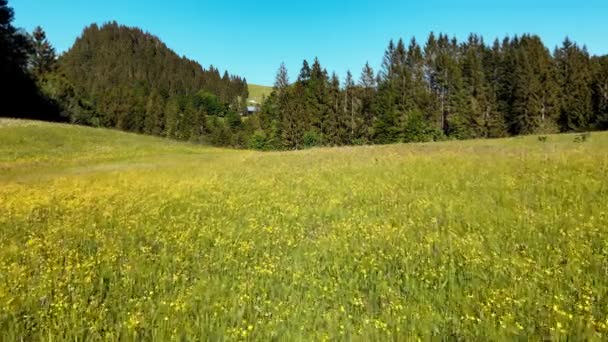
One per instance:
[(112, 236)]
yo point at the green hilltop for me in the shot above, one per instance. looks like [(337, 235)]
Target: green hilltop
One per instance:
[(258, 92)]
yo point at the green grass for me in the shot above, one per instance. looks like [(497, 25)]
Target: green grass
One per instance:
[(258, 92), (113, 236)]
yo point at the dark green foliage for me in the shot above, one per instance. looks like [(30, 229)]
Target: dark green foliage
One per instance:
[(367, 84), (135, 83), (417, 129), (259, 141), (333, 122), (478, 104), (312, 138), (19, 93), (42, 60), (575, 77), (233, 121), (600, 92), (444, 90), (534, 107), (121, 77)]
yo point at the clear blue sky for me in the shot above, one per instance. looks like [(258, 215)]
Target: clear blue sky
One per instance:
[(251, 38)]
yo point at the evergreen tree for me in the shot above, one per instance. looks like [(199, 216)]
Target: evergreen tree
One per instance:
[(574, 74), (293, 112), (172, 119), (416, 69), (282, 78), (274, 113), (124, 71), (351, 120), (476, 87), (386, 128), (317, 99), (446, 85), (368, 86), (600, 92), (42, 60), (304, 72), (495, 118), (154, 120), (333, 130), (19, 94)]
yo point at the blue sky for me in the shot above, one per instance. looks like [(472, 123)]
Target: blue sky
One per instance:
[(251, 38)]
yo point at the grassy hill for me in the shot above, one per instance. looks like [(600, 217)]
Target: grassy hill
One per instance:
[(113, 236), (258, 92)]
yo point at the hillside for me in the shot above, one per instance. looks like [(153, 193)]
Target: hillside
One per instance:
[(258, 93), (111, 236), (132, 81)]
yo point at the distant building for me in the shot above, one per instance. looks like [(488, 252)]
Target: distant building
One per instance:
[(252, 110)]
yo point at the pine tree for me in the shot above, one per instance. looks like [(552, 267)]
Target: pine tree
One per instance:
[(304, 72), (42, 60), (273, 109), (351, 121), (172, 119), (476, 88), (495, 118), (386, 128), (19, 94), (600, 92), (293, 123), (446, 84), (317, 97), (529, 92), (333, 131), (437, 80), (574, 76), (368, 86), (402, 81), (416, 70), (117, 68), (154, 120), (282, 78)]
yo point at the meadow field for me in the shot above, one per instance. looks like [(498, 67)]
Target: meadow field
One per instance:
[(257, 93), (113, 236)]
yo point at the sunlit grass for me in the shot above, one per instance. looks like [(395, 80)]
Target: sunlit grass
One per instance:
[(258, 92), (107, 236)]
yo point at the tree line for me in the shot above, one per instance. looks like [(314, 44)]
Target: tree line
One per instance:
[(444, 89), (121, 77), (19, 94), (118, 77)]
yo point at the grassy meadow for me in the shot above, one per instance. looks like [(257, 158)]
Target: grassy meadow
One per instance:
[(258, 92), (113, 236)]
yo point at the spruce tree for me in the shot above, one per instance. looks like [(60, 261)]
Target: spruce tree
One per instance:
[(600, 92), (304, 75), (495, 118), (282, 79), (351, 120), (476, 87), (416, 70), (574, 75), (317, 94), (386, 128), (19, 94), (333, 131), (118, 68), (154, 120), (368, 86), (42, 59)]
